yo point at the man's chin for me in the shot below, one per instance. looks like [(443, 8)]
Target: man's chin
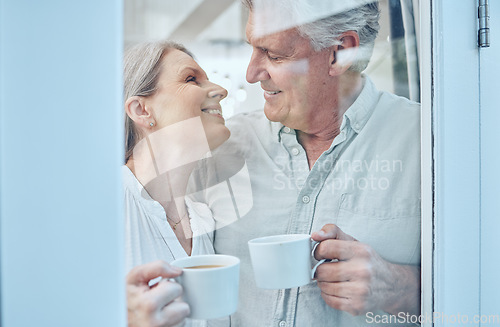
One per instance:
[(275, 114)]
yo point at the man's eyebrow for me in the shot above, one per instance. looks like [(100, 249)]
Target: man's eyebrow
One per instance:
[(264, 49)]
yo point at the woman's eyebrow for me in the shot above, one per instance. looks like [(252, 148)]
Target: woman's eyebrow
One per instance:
[(192, 70)]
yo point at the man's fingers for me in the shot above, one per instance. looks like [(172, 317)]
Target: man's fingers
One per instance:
[(333, 272), (335, 249), (339, 303), (173, 314), (142, 274), (344, 304), (331, 231), (344, 289)]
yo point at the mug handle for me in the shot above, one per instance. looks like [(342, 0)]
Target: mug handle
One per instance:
[(313, 271)]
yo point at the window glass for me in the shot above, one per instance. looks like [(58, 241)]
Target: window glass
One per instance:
[(342, 150)]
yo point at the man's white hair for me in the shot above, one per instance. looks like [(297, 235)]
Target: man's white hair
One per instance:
[(320, 21)]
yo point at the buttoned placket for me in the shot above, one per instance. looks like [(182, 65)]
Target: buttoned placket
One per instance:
[(309, 184)]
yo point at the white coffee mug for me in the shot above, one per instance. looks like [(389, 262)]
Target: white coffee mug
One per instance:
[(281, 261), (210, 284)]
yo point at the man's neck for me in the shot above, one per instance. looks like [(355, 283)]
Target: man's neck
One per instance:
[(317, 141), (314, 145)]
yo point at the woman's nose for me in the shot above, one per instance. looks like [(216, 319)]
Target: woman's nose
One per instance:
[(217, 91)]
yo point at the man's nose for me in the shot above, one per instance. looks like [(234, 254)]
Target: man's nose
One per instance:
[(256, 70)]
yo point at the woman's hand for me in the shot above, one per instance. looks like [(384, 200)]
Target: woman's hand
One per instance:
[(158, 305)]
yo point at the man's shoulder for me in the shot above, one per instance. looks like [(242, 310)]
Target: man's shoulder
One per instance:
[(390, 101), (384, 107), (395, 116), (393, 110)]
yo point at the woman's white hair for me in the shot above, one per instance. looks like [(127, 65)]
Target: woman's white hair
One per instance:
[(322, 22), (141, 70)]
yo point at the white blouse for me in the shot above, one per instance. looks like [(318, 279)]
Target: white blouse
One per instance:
[(148, 235)]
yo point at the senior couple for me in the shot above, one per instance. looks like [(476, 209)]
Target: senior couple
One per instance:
[(329, 155)]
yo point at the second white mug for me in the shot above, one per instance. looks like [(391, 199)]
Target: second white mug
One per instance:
[(281, 261)]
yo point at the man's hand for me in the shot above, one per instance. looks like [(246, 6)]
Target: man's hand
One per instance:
[(361, 281), (157, 305)]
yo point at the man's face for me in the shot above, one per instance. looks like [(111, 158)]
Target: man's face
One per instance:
[(292, 75)]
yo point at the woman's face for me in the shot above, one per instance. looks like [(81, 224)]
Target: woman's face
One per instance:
[(185, 92)]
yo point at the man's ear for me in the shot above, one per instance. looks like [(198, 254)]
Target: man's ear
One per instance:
[(343, 56), (135, 108)]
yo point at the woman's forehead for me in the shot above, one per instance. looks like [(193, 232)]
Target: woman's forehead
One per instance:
[(176, 62)]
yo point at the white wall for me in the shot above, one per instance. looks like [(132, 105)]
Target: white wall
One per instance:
[(60, 152)]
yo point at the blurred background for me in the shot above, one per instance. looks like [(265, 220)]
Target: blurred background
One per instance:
[(214, 30)]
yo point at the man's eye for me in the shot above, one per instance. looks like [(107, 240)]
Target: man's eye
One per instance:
[(271, 57), (191, 79)]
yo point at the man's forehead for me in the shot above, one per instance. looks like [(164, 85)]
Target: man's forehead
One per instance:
[(269, 17), (279, 40)]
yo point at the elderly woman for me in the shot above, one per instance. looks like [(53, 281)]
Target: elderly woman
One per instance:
[(173, 119)]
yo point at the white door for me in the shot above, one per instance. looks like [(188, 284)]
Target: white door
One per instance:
[(490, 174), (466, 157)]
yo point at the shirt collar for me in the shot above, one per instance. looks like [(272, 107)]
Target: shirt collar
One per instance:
[(360, 111), (277, 128)]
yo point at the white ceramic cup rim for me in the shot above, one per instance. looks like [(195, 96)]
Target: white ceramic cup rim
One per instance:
[(206, 259), (274, 239)]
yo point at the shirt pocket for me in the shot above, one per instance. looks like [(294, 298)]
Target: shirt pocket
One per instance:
[(389, 224)]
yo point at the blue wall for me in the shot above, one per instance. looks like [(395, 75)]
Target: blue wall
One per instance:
[(61, 148)]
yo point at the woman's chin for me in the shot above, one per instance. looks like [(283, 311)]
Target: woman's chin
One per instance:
[(217, 139)]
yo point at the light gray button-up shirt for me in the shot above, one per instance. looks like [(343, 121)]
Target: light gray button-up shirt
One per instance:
[(367, 182)]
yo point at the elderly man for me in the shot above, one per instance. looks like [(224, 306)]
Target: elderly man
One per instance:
[(329, 155)]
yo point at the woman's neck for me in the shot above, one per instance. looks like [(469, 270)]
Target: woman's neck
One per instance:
[(168, 188), (163, 160)]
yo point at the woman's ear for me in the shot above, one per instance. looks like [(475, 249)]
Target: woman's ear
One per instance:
[(136, 109), (344, 55)]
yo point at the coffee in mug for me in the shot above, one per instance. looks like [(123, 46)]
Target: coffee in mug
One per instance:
[(204, 267)]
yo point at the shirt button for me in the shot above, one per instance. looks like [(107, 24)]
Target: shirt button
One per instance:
[(306, 199), (282, 323), (295, 151), (287, 130)]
